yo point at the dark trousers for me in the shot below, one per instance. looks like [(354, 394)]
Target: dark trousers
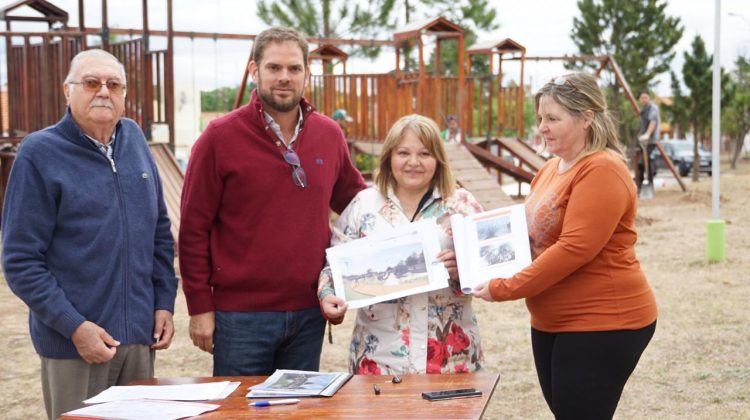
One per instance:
[(641, 166), (582, 374), (258, 343)]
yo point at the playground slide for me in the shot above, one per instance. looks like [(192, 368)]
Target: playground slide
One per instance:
[(172, 179)]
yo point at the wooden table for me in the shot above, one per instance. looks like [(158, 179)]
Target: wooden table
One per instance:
[(356, 398)]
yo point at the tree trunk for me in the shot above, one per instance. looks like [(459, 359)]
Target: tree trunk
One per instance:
[(697, 130), (738, 143)]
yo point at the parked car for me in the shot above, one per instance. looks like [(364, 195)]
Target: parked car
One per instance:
[(681, 154)]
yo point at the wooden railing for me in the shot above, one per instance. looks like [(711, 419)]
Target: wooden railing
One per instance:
[(376, 101), (37, 67)]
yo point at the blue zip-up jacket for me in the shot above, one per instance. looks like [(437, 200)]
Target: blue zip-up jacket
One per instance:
[(85, 239)]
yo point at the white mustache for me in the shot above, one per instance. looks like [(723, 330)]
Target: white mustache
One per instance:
[(102, 103)]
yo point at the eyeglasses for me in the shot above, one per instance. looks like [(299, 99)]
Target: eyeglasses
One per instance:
[(95, 85), (562, 81), (298, 174)]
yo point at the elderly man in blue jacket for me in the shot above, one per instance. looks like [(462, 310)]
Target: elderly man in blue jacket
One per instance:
[(87, 243)]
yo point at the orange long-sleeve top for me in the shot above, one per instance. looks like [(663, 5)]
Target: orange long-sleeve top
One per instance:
[(585, 275)]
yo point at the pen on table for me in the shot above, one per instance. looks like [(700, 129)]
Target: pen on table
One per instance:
[(274, 402)]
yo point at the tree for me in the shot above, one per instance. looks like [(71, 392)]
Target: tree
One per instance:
[(222, 99), (638, 34), (736, 116), (314, 18), (677, 112), (696, 72), (698, 76)]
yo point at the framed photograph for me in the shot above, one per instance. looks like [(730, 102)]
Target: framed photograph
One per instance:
[(491, 244), (388, 265)]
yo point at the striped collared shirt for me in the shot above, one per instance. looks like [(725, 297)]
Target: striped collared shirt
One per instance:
[(277, 128)]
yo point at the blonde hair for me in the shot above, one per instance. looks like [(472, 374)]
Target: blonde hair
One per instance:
[(428, 133), (578, 93)]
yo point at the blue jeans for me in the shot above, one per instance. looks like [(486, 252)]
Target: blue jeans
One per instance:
[(258, 343)]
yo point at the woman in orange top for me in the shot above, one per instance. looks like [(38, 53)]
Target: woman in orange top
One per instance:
[(592, 309)]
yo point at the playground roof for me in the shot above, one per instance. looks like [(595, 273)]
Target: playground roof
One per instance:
[(441, 27), (507, 45), (328, 52), (50, 12)]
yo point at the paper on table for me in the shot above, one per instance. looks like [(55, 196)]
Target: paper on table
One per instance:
[(185, 392), (144, 410)]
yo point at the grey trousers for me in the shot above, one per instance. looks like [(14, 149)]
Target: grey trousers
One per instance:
[(67, 382)]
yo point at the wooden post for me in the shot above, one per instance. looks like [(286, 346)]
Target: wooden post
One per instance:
[(146, 81), (8, 54), (461, 87), (105, 27), (422, 78), (439, 110), (81, 24), (490, 88), (26, 84), (468, 124), (398, 62), (243, 84), (519, 112), (169, 78), (500, 95), (363, 100)]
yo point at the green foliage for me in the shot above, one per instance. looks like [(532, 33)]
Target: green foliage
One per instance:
[(366, 163), (735, 119), (696, 72), (529, 114), (677, 113), (698, 77), (325, 19), (222, 99), (638, 34)]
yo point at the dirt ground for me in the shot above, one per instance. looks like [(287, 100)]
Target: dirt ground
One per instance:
[(696, 366)]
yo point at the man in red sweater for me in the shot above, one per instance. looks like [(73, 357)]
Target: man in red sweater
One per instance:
[(254, 219)]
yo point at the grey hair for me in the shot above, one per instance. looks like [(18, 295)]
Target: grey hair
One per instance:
[(95, 53)]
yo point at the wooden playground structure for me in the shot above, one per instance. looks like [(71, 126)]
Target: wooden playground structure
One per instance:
[(488, 106)]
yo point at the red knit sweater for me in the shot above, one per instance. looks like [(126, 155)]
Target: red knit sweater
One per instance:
[(250, 239)]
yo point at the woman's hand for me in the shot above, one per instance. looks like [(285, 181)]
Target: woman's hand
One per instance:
[(483, 292), (334, 308), (448, 257)]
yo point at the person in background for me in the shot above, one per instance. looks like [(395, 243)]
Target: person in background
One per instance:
[(592, 310), (648, 135), (452, 134), (433, 332), (342, 119), (254, 219), (87, 242)]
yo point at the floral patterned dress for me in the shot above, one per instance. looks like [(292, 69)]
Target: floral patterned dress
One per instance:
[(432, 332)]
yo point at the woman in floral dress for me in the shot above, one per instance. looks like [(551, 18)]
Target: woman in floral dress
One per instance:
[(431, 332)]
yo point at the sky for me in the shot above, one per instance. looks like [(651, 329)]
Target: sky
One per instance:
[(542, 26)]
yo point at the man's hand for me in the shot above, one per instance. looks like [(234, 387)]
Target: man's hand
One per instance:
[(202, 331), (483, 292), (643, 137), (93, 343), (163, 329), (334, 308), (448, 257)]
